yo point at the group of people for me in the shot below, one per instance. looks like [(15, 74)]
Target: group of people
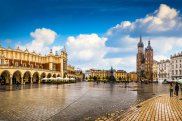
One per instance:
[(174, 88)]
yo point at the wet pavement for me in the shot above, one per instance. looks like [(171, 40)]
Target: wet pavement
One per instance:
[(76, 101)]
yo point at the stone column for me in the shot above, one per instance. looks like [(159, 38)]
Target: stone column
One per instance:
[(31, 80), (21, 80), (39, 80), (11, 80)]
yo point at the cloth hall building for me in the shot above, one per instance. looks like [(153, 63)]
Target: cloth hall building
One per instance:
[(21, 66)]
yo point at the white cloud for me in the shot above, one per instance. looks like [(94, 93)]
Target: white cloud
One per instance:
[(43, 38), (162, 21), (86, 47), (89, 51)]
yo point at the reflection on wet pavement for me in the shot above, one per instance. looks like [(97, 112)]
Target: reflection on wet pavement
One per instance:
[(75, 101)]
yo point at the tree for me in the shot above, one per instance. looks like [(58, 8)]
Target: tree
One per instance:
[(119, 78), (103, 78), (107, 77), (95, 78), (90, 77)]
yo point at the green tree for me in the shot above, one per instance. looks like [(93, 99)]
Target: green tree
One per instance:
[(95, 78), (103, 78), (119, 78)]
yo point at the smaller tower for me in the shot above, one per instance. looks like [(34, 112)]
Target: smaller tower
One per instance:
[(149, 62), (65, 59)]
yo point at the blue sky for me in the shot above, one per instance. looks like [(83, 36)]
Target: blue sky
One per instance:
[(75, 23)]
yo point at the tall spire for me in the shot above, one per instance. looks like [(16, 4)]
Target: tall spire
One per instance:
[(140, 43)]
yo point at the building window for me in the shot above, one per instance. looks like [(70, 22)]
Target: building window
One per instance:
[(2, 61), (16, 64), (176, 66), (176, 72), (180, 72)]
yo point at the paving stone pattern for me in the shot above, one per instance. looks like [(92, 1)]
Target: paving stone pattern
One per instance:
[(159, 108), (71, 102)]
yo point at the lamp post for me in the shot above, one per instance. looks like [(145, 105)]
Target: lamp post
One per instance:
[(141, 73)]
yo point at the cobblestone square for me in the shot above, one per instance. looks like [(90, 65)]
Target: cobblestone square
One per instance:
[(78, 101)]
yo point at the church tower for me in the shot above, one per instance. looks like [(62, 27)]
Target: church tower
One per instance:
[(140, 57), (149, 62)]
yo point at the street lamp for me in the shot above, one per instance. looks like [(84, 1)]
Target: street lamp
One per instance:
[(141, 73)]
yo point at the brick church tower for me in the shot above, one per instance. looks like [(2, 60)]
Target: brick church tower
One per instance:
[(144, 61), (149, 62)]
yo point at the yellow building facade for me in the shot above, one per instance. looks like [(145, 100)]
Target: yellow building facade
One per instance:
[(21, 66), (71, 71), (120, 75), (105, 74), (133, 76), (101, 74)]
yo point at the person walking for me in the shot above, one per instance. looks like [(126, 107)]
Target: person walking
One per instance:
[(181, 88), (171, 89), (176, 88), (16, 84)]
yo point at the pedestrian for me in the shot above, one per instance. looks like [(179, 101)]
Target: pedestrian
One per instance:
[(176, 88), (171, 89), (181, 88), (17, 85)]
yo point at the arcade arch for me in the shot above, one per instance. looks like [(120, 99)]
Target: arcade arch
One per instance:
[(5, 77)]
